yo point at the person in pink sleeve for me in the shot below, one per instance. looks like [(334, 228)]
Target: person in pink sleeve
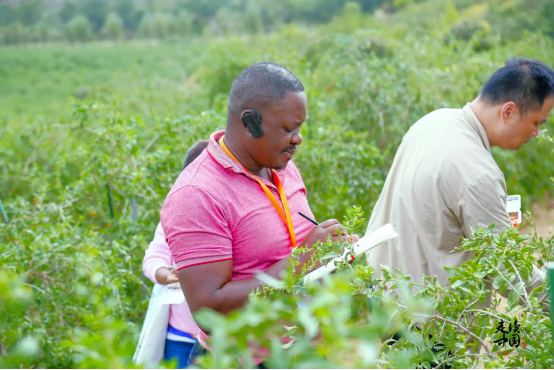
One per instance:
[(159, 267), (234, 211)]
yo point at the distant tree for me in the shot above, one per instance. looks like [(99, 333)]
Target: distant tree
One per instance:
[(14, 34), (548, 11), (163, 25), (369, 6), (352, 8), (185, 23), (7, 14), (253, 18), (28, 12), (228, 21), (451, 15), (351, 16), (146, 27), (130, 15), (273, 13), (78, 29), (206, 9), (114, 26), (42, 30), (69, 10), (96, 11), (315, 11), (399, 4)]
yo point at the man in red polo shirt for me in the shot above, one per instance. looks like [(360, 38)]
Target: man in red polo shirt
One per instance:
[(234, 210)]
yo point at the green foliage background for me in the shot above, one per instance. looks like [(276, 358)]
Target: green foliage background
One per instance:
[(75, 118)]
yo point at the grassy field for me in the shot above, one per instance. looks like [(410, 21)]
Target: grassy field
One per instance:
[(39, 81)]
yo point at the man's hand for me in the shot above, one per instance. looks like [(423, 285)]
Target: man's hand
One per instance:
[(321, 233), (167, 275)]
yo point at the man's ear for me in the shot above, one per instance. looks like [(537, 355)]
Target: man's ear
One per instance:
[(508, 111)]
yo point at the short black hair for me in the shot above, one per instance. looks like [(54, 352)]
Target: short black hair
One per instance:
[(194, 151), (263, 83), (526, 82)]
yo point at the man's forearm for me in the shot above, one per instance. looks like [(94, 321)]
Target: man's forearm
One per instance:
[(233, 294), (219, 294)]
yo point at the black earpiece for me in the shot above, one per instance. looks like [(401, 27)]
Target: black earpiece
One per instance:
[(253, 121)]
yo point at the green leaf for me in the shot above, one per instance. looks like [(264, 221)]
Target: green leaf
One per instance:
[(287, 345), (513, 299), (537, 291), (519, 287), (480, 274), (498, 282)]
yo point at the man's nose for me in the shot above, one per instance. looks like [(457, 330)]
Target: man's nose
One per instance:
[(296, 138)]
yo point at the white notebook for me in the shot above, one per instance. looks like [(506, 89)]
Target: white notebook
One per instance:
[(363, 245)]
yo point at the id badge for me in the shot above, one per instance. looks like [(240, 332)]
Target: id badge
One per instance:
[(513, 206)]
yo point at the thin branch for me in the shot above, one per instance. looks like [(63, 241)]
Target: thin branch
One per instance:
[(118, 190), (36, 287), (545, 297), (486, 313), (62, 205), (149, 144), (469, 305), (519, 295), (454, 357), (521, 280), (67, 203), (466, 330), (33, 155), (442, 329), (34, 268), (93, 131)]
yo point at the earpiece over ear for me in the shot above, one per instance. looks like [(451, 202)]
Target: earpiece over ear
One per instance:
[(253, 120)]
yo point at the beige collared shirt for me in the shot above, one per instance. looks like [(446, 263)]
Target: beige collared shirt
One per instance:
[(443, 181)]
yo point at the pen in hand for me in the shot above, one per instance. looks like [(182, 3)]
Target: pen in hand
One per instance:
[(309, 219)]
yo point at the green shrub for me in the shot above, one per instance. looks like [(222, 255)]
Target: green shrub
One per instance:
[(78, 29), (185, 23), (15, 296), (14, 34), (114, 26)]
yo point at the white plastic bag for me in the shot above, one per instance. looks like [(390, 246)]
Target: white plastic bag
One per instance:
[(170, 294), (151, 346)]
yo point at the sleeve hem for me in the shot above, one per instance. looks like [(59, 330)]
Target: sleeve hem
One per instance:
[(204, 262)]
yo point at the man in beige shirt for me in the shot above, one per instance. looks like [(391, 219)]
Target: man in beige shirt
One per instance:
[(444, 179)]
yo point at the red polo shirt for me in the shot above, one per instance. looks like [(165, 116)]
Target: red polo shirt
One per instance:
[(216, 211)]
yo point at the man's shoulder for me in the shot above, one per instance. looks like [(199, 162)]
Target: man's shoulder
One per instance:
[(449, 137), (450, 149), (439, 119)]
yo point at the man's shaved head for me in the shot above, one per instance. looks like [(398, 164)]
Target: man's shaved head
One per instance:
[(279, 98), (262, 85)]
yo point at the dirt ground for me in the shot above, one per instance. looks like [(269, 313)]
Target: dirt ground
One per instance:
[(541, 216)]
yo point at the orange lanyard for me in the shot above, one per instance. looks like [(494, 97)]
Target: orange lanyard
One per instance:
[(284, 216)]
